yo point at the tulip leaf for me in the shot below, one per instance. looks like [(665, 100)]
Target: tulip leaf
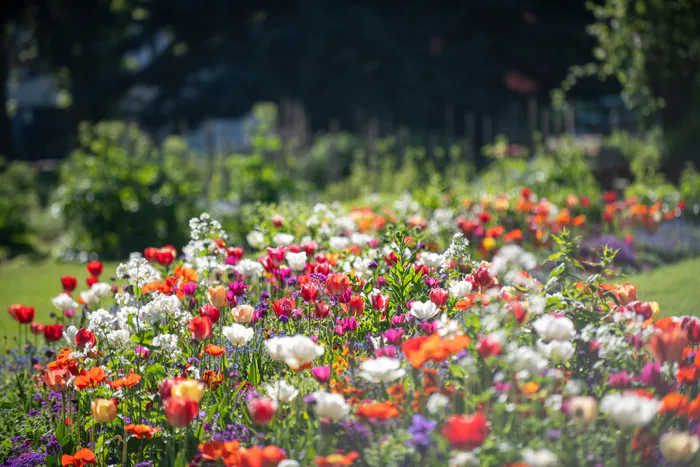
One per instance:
[(253, 373)]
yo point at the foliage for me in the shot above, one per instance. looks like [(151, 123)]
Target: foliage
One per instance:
[(19, 202), (690, 184), (644, 155), (118, 192)]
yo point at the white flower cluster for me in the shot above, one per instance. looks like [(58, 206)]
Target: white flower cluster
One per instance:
[(205, 227), (512, 257), (138, 272)]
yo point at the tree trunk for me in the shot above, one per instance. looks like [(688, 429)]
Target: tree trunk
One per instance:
[(7, 148)]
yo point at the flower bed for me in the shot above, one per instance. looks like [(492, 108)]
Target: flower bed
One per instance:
[(366, 339)]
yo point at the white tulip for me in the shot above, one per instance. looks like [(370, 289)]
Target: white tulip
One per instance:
[(424, 310), (381, 370), (238, 335)]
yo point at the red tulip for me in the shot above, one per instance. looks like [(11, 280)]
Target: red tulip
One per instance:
[(261, 410), (277, 220), (379, 301), (356, 305), (277, 254), (211, 312), (323, 268), (92, 280), (337, 284), (36, 328), (465, 432), (483, 277), (487, 347), (526, 193), (439, 297), (166, 387), (200, 327), (23, 314), (309, 292), (85, 337), (180, 411), (321, 310), (421, 269), (609, 196), (53, 332), (151, 254), (69, 283), (94, 268), (283, 307)]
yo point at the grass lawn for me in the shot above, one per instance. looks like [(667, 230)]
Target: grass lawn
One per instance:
[(676, 287), (36, 285)]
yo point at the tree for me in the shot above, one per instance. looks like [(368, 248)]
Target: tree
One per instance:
[(652, 48)]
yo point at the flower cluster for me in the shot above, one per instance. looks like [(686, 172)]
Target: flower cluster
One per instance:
[(366, 344)]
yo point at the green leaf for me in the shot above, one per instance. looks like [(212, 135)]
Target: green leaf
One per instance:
[(253, 373), (180, 460)]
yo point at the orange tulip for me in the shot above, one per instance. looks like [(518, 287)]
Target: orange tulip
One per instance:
[(57, 380), (142, 431), (214, 350), (625, 293), (667, 344), (80, 458), (217, 296), (129, 381), (336, 460), (89, 379)]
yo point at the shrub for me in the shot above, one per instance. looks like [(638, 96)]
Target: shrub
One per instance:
[(118, 192), (18, 203)]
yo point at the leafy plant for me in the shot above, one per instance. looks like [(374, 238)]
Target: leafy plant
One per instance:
[(119, 193)]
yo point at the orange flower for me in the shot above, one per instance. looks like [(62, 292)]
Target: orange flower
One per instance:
[(142, 431), (579, 220), (129, 381), (215, 350), (186, 274), (692, 410), (80, 458), (625, 293), (563, 218), (89, 379), (420, 349), (226, 451), (667, 344), (378, 411), (336, 460), (513, 235), (269, 456), (674, 402), (150, 287), (57, 380), (530, 388)]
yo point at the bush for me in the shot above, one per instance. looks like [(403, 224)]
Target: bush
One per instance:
[(18, 203), (119, 193)]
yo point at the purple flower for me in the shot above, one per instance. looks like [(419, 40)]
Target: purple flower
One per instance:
[(420, 429), (429, 328), (651, 375), (188, 289)]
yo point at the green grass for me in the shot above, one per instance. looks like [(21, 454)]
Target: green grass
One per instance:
[(676, 287), (36, 285)]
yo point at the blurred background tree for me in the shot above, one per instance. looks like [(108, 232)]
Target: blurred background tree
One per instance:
[(652, 49)]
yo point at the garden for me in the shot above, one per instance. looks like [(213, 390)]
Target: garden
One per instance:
[(516, 287), (480, 318)]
